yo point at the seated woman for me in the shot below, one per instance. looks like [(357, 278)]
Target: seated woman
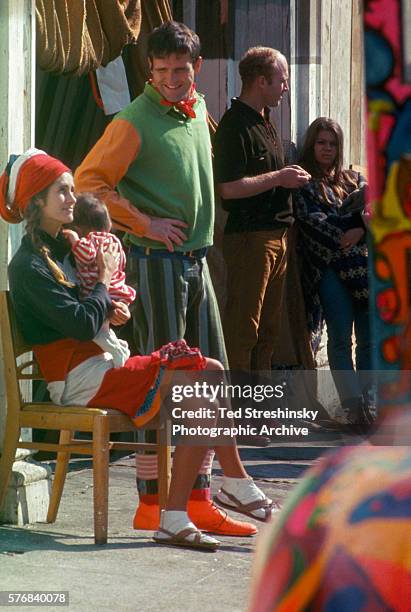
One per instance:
[(333, 246), (61, 328)]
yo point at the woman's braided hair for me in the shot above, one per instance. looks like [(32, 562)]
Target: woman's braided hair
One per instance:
[(32, 216)]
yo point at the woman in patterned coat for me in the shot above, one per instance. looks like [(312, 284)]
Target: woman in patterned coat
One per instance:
[(333, 248)]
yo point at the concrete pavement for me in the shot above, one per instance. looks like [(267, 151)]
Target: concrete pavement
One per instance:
[(132, 572)]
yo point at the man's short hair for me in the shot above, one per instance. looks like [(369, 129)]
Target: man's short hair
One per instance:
[(259, 61), (173, 37)]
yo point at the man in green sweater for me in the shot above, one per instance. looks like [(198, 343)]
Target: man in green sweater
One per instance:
[(157, 154)]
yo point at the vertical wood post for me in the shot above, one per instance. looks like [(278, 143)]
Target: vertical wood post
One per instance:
[(305, 65), (327, 70), (17, 123), (17, 73)]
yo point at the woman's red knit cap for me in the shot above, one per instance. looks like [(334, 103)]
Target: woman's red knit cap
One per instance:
[(25, 176)]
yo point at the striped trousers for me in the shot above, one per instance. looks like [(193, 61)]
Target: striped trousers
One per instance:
[(175, 300)]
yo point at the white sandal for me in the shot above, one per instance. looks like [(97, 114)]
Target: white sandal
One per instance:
[(181, 538), (261, 504)]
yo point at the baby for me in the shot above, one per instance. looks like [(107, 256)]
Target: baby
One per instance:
[(92, 221)]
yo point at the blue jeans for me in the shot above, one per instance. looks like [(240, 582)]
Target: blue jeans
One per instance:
[(341, 312)]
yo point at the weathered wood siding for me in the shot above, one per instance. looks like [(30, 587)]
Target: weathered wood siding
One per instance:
[(17, 61), (16, 100), (322, 39), (342, 75), (243, 24)]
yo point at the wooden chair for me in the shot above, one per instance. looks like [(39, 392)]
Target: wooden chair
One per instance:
[(68, 419)]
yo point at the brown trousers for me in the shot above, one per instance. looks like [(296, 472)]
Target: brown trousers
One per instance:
[(256, 266)]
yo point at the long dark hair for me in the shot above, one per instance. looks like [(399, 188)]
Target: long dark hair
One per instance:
[(339, 180), (32, 216)]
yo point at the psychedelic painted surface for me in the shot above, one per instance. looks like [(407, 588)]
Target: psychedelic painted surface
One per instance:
[(388, 80), (340, 543)]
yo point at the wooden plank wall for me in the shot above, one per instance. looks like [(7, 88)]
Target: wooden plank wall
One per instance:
[(256, 22), (16, 101), (342, 73), (305, 65), (326, 57), (322, 39), (17, 68), (340, 65), (267, 23), (357, 82)]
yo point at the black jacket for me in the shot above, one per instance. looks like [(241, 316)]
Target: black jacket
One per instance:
[(46, 310)]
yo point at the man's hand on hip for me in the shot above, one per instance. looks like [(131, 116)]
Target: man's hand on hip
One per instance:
[(167, 231)]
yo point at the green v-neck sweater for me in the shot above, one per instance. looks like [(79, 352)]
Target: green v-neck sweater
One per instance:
[(172, 175)]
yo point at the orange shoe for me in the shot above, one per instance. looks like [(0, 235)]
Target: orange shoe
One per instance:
[(147, 517), (204, 514), (208, 517)]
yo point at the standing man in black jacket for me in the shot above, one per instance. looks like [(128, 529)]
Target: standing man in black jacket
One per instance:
[(254, 186)]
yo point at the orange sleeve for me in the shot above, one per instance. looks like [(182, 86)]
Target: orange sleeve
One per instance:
[(104, 167)]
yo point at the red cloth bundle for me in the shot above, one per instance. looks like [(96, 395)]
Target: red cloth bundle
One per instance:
[(179, 356)]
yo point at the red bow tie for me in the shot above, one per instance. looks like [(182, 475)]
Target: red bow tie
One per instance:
[(184, 106)]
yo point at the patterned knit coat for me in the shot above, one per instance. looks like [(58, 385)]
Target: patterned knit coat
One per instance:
[(320, 229)]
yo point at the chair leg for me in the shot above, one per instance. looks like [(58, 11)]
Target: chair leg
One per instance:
[(60, 473), (100, 478), (164, 463), (8, 455)]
